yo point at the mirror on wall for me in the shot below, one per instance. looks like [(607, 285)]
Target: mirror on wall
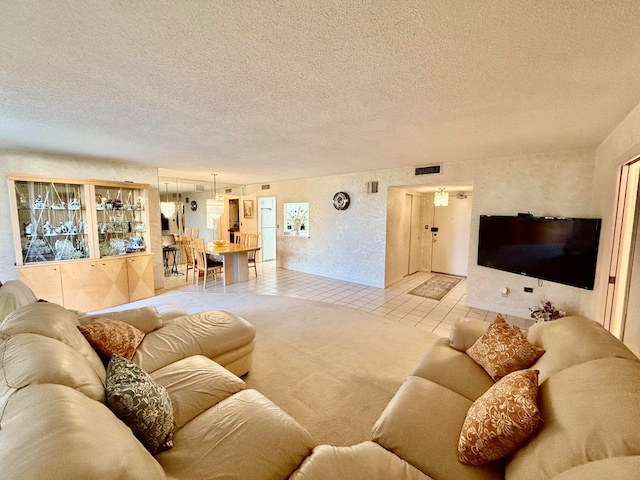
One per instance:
[(190, 196), (296, 219)]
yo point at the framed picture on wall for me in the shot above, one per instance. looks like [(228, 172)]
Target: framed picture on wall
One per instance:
[(247, 208)]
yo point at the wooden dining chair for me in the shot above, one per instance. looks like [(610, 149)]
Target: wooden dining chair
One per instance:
[(250, 241), (203, 263), (188, 255)]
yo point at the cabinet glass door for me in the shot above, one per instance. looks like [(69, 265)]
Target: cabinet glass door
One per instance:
[(52, 221), (121, 225)]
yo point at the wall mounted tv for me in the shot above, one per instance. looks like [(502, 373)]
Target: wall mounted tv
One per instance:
[(561, 250)]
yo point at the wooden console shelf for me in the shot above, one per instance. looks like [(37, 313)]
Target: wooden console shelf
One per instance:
[(88, 285)]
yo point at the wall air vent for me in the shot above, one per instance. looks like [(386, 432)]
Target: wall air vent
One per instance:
[(429, 170), (266, 187), (199, 188), (228, 190)]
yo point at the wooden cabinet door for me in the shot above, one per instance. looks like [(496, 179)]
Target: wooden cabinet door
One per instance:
[(113, 285), (44, 281), (140, 275), (80, 285)]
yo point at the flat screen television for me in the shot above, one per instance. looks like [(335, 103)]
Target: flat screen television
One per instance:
[(561, 250)]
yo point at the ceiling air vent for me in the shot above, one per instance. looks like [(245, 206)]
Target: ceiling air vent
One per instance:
[(429, 170), (266, 187), (199, 188)]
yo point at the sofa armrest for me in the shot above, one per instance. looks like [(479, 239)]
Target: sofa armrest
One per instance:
[(13, 295), (465, 332)]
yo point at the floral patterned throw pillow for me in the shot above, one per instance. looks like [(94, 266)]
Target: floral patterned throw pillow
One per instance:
[(112, 337), (501, 419), (503, 349), (141, 403)]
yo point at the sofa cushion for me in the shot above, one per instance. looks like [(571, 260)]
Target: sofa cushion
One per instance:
[(195, 384), (571, 341), (589, 412), (112, 337), (53, 321), (609, 468), (454, 370), (13, 295), (145, 319), (243, 437), (55, 432), (422, 423), (141, 403), (210, 333), (365, 461), (502, 349), (501, 419), (29, 359), (465, 332)]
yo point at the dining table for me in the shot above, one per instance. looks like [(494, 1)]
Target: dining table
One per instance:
[(235, 264)]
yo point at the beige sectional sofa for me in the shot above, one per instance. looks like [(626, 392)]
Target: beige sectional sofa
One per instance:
[(54, 422), (589, 401)]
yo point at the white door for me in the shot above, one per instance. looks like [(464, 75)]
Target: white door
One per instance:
[(450, 244), (414, 204), (267, 207)]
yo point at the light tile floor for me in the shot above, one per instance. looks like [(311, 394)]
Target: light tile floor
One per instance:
[(393, 302)]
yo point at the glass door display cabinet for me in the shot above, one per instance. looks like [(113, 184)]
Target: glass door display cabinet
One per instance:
[(52, 221), (121, 226)]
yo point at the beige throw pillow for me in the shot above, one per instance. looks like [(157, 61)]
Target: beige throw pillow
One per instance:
[(145, 319), (503, 349), (500, 420)]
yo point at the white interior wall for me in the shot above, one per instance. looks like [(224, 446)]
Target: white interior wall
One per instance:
[(38, 164), (356, 244)]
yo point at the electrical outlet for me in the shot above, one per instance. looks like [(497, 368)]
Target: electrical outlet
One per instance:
[(528, 289)]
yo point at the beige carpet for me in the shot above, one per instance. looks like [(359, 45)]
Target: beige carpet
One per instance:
[(331, 368)]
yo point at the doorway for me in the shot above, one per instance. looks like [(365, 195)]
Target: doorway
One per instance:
[(267, 226), (450, 236), (624, 269)]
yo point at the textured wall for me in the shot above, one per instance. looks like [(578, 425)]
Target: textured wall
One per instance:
[(352, 244), (347, 244), (74, 167), (557, 184)]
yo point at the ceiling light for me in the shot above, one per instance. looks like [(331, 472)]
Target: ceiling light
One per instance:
[(441, 198)]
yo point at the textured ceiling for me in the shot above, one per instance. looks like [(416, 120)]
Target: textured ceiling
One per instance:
[(262, 91)]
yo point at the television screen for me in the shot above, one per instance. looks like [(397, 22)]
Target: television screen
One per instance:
[(561, 250)]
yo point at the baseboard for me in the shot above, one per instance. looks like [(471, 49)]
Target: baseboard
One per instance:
[(338, 277)]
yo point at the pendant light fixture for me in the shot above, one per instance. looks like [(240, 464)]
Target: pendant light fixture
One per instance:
[(215, 206), (167, 208)]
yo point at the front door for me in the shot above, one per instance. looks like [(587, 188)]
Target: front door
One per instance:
[(450, 243)]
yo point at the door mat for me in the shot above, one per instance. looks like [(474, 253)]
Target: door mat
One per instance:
[(436, 287)]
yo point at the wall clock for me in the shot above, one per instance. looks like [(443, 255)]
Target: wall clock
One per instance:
[(341, 201), (194, 205)]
